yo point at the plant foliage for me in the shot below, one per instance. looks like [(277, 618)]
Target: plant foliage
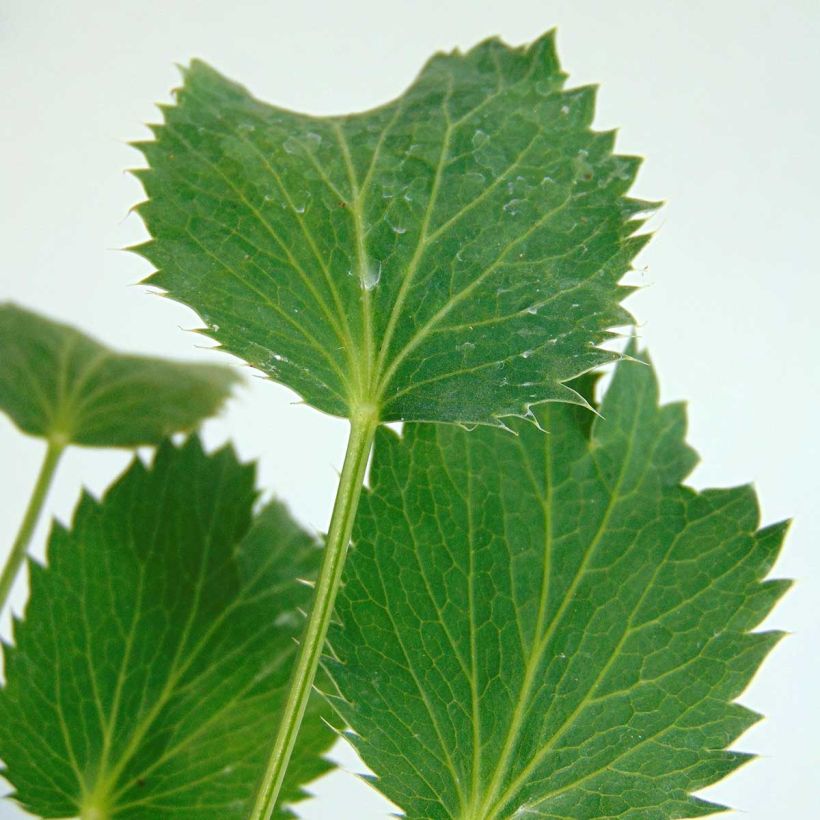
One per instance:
[(546, 624), (453, 255), (551, 624), (156, 649), (58, 383)]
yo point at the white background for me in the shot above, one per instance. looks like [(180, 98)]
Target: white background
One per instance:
[(722, 99)]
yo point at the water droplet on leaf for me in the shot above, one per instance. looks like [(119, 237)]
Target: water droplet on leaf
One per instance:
[(371, 276), (513, 207), (480, 138)]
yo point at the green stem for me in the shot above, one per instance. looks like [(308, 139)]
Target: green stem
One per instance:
[(19, 549), (362, 432)]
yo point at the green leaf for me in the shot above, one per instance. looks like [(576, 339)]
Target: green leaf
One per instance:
[(149, 671), (58, 383), (550, 624), (453, 255)]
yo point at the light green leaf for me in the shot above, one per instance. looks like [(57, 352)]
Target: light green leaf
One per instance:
[(58, 383), (149, 671), (450, 256), (550, 624)]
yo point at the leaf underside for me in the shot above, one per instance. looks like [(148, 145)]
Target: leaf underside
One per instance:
[(551, 625), (58, 383), (453, 255), (148, 674)]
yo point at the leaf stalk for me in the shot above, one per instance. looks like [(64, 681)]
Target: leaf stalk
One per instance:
[(19, 549), (362, 432)]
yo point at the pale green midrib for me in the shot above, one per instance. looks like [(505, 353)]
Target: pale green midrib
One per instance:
[(490, 189), (589, 697), (94, 810), (409, 274), (60, 421), (295, 264), (261, 220), (87, 656), (65, 732), (194, 652), (379, 390), (554, 294), (620, 756), (451, 126), (411, 527), (308, 337), (303, 227), (190, 739), (198, 647), (447, 759), (424, 238), (45, 404), (421, 334), (77, 400), (541, 642), (364, 365), (471, 811), (107, 779), (110, 724), (399, 109), (465, 670)]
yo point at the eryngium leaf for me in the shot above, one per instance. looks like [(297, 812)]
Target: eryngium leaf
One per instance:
[(58, 383), (154, 657), (453, 255), (551, 624)]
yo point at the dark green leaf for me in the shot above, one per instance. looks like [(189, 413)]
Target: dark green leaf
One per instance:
[(58, 383), (453, 255), (552, 625), (147, 676)]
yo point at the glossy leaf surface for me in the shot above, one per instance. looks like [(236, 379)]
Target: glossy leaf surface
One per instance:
[(453, 255)]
